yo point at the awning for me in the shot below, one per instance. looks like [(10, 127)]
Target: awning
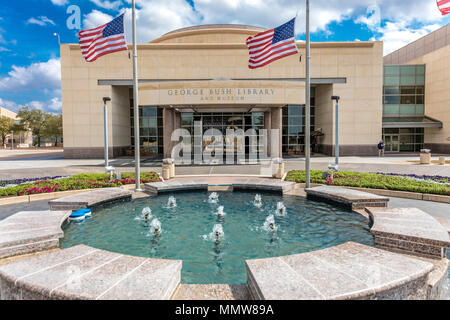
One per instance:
[(411, 122)]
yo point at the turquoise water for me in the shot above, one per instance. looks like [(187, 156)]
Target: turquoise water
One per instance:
[(186, 231)]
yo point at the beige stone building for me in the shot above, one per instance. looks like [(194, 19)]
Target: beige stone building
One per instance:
[(20, 139), (416, 110), (200, 74)]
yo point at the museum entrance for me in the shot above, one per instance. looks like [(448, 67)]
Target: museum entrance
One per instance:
[(223, 121)]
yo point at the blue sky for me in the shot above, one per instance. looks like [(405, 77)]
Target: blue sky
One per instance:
[(29, 53)]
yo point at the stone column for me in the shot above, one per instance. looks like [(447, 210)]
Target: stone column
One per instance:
[(168, 121), (268, 126), (276, 123)]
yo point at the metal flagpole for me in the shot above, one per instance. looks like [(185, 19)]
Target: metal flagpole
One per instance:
[(137, 157), (308, 104)]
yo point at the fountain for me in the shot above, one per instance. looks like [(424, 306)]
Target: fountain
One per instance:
[(213, 197), (172, 202), (155, 227), (220, 212), (269, 224), (281, 209), (258, 201), (147, 213)]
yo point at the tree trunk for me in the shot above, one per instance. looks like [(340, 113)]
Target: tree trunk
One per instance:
[(39, 141), (56, 141)]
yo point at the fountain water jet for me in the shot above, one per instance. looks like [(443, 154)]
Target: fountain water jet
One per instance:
[(281, 209), (269, 224), (155, 227), (220, 212), (147, 213), (172, 202), (218, 232), (258, 201), (213, 197)]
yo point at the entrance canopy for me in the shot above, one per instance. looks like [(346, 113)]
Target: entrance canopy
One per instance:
[(411, 122)]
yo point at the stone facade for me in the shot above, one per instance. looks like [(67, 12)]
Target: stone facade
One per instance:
[(206, 67)]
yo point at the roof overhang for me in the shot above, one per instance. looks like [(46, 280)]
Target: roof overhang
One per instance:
[(129, 83), (411, 122)]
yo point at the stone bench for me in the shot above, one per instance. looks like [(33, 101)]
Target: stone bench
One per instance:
[(85, 273), (264, 184), (350, 198), (31, 231), (176, 185), (347, 271), (246, 184), (90, 198), (410, 230)]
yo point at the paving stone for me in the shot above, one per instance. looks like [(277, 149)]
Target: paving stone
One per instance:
[(409, 229), (352, 198), (348, 271), (82, 272), (89, 199)]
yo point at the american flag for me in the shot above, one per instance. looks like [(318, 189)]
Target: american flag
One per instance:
[(272, 45), (444, 6), (105, 39)]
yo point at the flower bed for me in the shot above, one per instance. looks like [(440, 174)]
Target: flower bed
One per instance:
[(372, 181), (430, 179), (76, 182), (15, 182)]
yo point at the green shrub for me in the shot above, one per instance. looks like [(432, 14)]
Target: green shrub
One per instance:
[(372, 181)]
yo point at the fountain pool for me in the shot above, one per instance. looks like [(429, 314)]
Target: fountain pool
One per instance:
[(184, 231)]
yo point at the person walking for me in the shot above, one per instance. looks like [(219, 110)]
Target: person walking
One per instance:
[(381, 148)]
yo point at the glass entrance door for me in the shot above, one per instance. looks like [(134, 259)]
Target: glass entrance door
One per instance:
[(391, 143)]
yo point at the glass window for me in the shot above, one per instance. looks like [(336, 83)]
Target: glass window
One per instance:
[(420, 69), (391, 99), (391, 109), (420, 80), (420, 109), (409, 70), (392, 70), (389, 81), (406, 109), (408, 99), (408, 80), (407, 90), (149, 111), (420, 89), (419, 99), (391, 90)]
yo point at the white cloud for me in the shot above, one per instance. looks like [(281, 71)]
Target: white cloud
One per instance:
[(3, 49), (53, 105), (109, 5), (95, 19), (41, 21), (41, 75), (59, 2), (398, 34)]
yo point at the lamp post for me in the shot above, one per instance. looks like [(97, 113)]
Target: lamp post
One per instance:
[(59, 39), (105, 129), (12, 140), (336, 153)]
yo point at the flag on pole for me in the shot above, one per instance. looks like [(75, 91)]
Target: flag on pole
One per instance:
[(102, 40), (272, 45), (444, 6)]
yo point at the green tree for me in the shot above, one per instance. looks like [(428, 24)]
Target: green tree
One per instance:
[(34, 119), (53, 127), (6, 126)]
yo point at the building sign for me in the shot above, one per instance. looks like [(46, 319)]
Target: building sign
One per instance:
[(222, 94)]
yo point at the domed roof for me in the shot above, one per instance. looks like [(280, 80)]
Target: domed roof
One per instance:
[(208, 33), (216, 26)]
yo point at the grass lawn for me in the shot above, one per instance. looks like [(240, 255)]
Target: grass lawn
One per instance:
[(76, 182), (373, 181)]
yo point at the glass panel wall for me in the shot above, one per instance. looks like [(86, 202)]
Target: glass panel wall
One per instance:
[(403, 139), (150, 130), (404, 90)]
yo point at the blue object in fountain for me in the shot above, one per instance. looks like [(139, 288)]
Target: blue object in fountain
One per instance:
[(186, 231), (80, 214)]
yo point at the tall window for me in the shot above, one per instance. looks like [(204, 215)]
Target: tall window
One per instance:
[(294, 127), (150, 129), (404, 90)]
